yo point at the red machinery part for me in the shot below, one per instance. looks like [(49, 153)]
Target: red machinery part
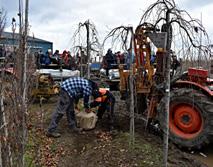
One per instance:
[(185, 120)]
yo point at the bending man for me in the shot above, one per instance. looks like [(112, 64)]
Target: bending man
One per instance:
[(71, 89)]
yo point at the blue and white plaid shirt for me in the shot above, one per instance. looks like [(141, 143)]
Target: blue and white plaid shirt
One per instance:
[(78, 87)]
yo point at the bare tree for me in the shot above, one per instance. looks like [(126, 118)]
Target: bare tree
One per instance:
[(86, 40), (183, 34), (124, 36), (14, 102), (3, 129), (185, 31)]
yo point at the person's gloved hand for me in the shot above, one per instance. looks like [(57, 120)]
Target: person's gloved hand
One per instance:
[(87, 110)]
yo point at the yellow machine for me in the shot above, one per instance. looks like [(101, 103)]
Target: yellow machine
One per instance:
[(143, 70), (44, 86)]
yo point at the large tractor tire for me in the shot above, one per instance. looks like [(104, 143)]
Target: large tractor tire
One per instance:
[(189, 118)]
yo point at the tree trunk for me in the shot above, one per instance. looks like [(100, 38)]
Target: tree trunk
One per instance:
[(132, 102), (24, 86), (5, 124), (88, 50), (167, 89), (1, 125)]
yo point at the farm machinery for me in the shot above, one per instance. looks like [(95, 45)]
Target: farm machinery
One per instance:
[(191, 93), (44, 86), (43, 82)]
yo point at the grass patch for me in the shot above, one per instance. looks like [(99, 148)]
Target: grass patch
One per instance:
[(143, 152)]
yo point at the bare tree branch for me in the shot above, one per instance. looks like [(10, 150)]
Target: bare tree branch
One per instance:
[(3, 15)]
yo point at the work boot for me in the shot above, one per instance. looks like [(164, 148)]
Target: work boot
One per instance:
[(53, 134)]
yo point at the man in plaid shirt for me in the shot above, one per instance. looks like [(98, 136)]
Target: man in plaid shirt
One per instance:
[(71, 90)]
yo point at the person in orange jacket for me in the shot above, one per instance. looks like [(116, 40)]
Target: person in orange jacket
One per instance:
[(106, 102)]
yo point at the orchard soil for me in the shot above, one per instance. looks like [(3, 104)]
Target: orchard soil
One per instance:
[(98, 147)]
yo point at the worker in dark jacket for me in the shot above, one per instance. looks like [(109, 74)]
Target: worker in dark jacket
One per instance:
[(109, 61), (106, 102), (71, 89)]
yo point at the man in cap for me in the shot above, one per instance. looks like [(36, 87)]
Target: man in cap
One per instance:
[(71, 89), (106, 102)]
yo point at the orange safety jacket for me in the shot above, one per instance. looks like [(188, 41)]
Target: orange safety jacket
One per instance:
[(103, 97)]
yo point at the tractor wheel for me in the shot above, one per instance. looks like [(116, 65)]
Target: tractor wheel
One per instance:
[(189, 118)]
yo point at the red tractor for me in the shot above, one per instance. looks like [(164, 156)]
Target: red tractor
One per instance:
[(191, 97), (191, 109)]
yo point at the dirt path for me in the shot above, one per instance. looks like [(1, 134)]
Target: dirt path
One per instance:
[(205, 155), (98, 148)]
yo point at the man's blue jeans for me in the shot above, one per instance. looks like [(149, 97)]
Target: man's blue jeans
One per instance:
[(65, 105)]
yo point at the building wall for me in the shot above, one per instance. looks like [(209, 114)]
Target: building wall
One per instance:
[(34, 45), (43, 46)]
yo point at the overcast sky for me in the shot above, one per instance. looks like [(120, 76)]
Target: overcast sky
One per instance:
[(56, 20)]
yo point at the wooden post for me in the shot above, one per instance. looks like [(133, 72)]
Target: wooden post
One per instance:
[(1, 124), (5, 124), (24, 84), (132, 102), (167, 89), (88, 49), (81, 67), (20, 22)]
